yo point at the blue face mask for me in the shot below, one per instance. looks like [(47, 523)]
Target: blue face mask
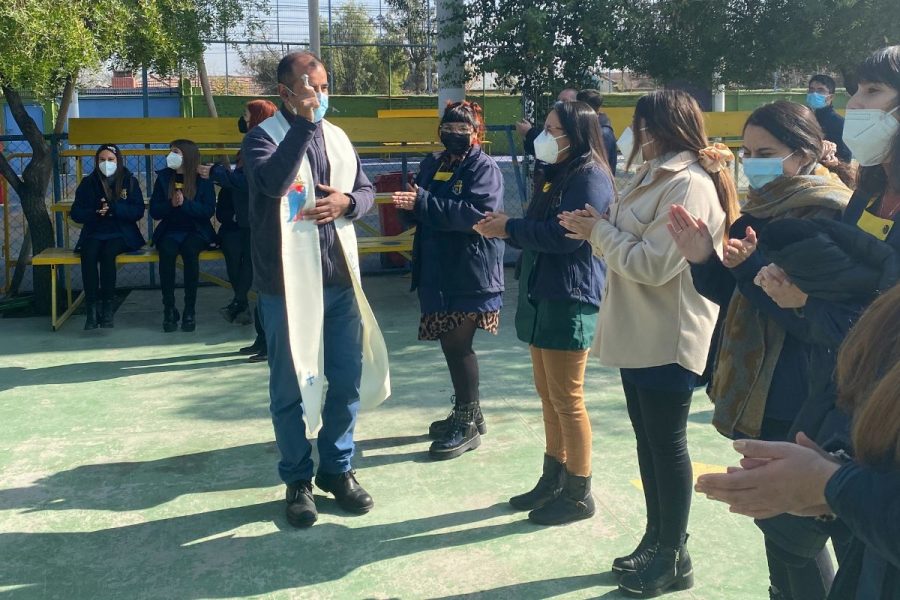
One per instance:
[(319, 113), (815, 100), (762, 171)]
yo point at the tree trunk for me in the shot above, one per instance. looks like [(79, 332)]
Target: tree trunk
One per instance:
[(207, 90)]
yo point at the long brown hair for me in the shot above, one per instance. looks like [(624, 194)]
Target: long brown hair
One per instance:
[(675, 122), (868, 378), (190, 160), (882, 67), (114, 193)]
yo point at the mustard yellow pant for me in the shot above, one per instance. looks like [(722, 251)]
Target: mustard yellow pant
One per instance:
[(559, 380)]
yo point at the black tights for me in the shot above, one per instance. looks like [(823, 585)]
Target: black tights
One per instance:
[(462, 362), (659, 419), (190, 250), (100, 253)]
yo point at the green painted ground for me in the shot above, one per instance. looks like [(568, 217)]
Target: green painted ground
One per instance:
[(138, 464)]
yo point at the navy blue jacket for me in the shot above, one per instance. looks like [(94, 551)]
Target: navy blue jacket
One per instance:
[(867, 500), (833, 125), (609, 141), (716, 282), (468, 263), (125, 212), (239, 193), (270, 170), (565, 269), (199, 209)]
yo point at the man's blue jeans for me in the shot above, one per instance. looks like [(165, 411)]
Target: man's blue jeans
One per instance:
[(343, 369)]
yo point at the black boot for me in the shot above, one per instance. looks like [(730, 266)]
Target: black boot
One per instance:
[(255, 348), (301, 506), (350, 496), (90, 311), (460, 437), (106, 314), (669, 569), (229, 311), (439, 428), (170, 319), (573, 504), (640, 556), (548, 487), (189, 322)]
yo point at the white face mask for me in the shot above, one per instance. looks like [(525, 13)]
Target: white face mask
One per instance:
[(108, 167), (546, 149), (626, 145), (870, 133), (173, 161)]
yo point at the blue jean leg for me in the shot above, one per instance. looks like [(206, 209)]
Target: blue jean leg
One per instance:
[(284, 393), (343, 370)]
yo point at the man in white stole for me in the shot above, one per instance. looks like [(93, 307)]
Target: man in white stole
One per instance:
[(327, 358)]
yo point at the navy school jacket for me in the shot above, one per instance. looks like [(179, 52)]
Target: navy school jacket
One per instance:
[(125, 211), (468, 263), (199, 209)]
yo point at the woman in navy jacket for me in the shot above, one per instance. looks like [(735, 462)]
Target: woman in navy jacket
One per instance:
[(183, 203), (457, 272), (108, 204), (559, 296)]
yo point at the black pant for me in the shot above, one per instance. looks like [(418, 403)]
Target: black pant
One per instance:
[(236, 248), (659, 419), (190, 250), (462, 362), (100, 253)]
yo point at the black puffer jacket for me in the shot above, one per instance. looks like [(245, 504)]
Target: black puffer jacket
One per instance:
[(831, 260)]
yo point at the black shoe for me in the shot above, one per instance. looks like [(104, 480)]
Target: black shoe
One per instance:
[(242, 316), (350, 496), (170, 319), (670, 569), (573, 504), (460, 437), (90, 311), (301, 506), (255, 348), (228, 312), (258, 358), (548, 487), (438, 429), (189, 322), (640, 556), (106, 314)]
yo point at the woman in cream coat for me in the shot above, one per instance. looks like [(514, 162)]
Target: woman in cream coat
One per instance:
[(653, 325)]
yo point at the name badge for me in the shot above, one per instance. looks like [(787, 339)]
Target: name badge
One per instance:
[(874, 225), (443, 176)]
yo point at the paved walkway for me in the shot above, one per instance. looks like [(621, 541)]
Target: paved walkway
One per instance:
[(138, 464)]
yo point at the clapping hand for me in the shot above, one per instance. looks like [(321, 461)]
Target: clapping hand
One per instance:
[(580, 223), (691, 235), (774, 282), (737, 251), (493, 225), (406, 200)]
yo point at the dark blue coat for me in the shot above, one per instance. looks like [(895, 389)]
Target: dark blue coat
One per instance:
[(238, 194), (466, 263), (566, 269), (125, 212), (833, 125), (199, 209)]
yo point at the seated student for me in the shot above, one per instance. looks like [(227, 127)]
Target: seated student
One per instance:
[(819, 98), (108, 203), (183, 203)]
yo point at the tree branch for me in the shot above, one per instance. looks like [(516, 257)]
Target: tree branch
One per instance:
[(66, 100), (29, 128), (10, 175)]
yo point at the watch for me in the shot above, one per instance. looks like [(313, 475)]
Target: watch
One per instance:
[(351, 208)]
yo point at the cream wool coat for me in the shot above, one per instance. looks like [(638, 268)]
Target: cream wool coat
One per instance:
[(651, 315)]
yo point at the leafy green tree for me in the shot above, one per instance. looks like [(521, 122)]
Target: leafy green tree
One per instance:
[(412, 24), (539, 47)]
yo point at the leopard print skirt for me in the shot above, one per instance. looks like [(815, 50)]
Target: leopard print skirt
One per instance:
[(434, 325)]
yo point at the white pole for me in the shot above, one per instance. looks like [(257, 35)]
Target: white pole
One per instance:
[(451, 75)]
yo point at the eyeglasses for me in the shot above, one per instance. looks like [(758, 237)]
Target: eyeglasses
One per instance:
[(456, 128)]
